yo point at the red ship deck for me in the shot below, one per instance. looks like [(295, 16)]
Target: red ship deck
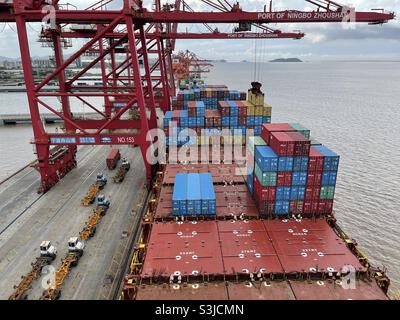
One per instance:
[(274, 290), (232, 201), (306, 246), (221, 173), (329, 290), (246, 248), (252, 249), (183, 249), (201, 291)]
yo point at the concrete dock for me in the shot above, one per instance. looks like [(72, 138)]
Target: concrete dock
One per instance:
[(27, 218)]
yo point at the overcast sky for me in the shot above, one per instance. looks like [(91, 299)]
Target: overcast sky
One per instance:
[(322, 41)]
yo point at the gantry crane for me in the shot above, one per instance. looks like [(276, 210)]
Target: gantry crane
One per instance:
[(187, 63), (137, 33)]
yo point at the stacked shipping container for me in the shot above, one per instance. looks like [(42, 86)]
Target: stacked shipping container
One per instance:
[(243, 115), (209, 95), (193, 195), (226, 110), (290, 176)]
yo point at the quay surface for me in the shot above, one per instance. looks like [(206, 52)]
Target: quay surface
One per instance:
[(27, 218)]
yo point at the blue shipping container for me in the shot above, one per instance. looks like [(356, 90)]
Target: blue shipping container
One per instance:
[(299, 178), (258, 120), (300, 163), (285, 164), (266, 158), (179, 196), (250, 121), (208, 199), (282, 207), (331, 159), (283, 193), (193, 194), (266, 120), (250, 182), (225, 121), (329, 178)]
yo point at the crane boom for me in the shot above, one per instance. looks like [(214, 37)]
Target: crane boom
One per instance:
[(136, 33)]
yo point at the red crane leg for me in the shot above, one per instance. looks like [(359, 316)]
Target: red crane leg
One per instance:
[(168, 69), (166, 105), (150, 92), (113, 66), (142, 142), (61, 160), (53, 165), (107, 102)]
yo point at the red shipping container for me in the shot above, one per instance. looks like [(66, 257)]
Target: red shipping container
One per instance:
[(264, 193), (318, 178), (312, 193), (310, 179), (242, 108), (314, 178), (224, 108), (307, 207), (321, 207), (302, 145), (209, 119), (217, 122), (284, 179), (328, 206), (316, 160), (282, 144), (242, 120), (288, 179), (209, 122), (312, 207), (192, 109), (265, 207), (296, 207), (267, 129), (113, 158)]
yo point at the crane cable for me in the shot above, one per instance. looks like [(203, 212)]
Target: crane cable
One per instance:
[(255, 60), (263, 60), (259, 60)]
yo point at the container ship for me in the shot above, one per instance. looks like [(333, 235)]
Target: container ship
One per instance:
[(232, 206), (261, 227)]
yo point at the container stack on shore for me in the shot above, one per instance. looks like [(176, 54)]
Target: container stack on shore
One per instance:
[(291, 176)]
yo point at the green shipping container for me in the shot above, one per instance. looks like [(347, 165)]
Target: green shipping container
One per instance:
[(303, 130), (327, 193), (330, 193), (267, 179)]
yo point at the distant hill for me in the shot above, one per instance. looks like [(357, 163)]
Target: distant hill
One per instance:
[(287, 60)]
